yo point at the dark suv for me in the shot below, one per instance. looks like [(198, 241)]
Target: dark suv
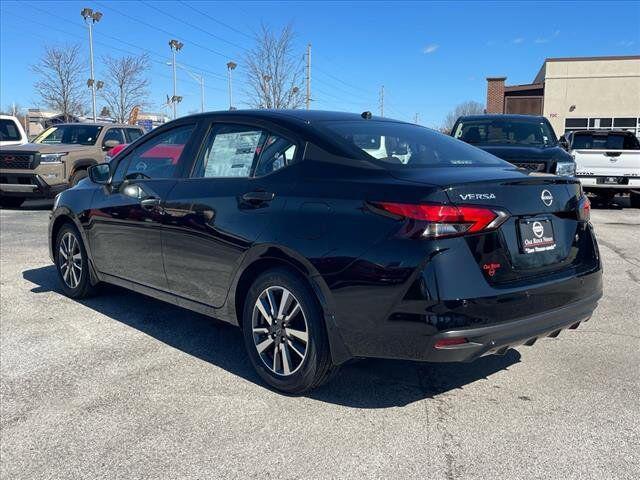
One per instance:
[(329, 236), (527, 141)]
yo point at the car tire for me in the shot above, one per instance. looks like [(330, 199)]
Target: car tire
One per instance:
[(77, 176), (72, 263), (634, 200), (288, 346), (11, 202)]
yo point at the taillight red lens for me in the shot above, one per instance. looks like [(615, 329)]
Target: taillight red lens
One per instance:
[(448, 220), (584, 209), (450, 342)]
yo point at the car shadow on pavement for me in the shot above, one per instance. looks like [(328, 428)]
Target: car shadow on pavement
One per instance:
[(369, 383)]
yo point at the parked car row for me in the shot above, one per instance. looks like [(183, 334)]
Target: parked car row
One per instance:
[(57, 159)]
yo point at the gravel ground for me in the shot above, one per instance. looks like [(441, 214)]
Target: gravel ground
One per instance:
[(123, 386)]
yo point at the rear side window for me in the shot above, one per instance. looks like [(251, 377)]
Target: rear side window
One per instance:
[(399, 145), (9, 131)]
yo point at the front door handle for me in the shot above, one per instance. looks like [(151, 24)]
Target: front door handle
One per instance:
[(150, 203), (257, 197)]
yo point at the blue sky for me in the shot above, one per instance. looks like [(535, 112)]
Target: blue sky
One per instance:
[(428, 55)]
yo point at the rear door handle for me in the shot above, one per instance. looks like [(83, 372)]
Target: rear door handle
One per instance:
[(150, 203), (259, 196)]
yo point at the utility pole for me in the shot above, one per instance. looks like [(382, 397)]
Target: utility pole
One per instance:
[(230, 67), (382, 101), (308, 100), (415, 119), (91, 17), (175, 47)]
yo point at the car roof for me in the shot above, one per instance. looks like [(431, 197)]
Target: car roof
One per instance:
[(505, 116), (299, 115)]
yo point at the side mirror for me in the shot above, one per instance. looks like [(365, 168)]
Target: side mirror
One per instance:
[(563, 143), (109, 144), (100, 173)]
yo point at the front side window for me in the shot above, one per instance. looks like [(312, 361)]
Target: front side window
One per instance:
[(113, 134), (75, 134), (159, 157), (133, 134), (498, 131), (9, 131), (401, 145)]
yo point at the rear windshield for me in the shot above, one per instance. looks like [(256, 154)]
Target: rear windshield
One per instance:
[(401, 145), (9, 131), (76, 134), (612, 141), (501, 131)]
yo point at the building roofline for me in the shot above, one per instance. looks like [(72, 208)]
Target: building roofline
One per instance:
[(589, 59), (524, 86)]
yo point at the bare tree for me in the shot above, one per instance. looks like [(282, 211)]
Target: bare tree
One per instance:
[(274, 70), (466, 108), (125, 85), (61, 83)]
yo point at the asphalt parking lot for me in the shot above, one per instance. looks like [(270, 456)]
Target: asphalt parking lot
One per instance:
[(123, 386)]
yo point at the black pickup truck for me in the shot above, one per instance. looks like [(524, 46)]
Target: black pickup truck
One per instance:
[(527, 141)]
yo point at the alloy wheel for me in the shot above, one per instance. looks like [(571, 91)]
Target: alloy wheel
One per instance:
[(280, 330), (70, 260)]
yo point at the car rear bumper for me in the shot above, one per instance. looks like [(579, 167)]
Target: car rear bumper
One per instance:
[(28, 185), (628, 183), (500, 337)]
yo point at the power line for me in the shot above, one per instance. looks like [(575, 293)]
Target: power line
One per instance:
[(166, 32), (193, 26), (119, 40), (50, 27), (204, 14)]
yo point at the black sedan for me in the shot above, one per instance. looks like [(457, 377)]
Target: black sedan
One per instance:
[(331, 236)]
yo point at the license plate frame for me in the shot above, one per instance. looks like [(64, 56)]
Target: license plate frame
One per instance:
[(536, 235), (612, 180)]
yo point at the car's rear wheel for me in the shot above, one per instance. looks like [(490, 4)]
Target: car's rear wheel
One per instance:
[(72, 263), (11, 202), (284, 333)]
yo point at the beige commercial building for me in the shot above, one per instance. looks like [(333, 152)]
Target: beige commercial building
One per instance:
[(576, 93)]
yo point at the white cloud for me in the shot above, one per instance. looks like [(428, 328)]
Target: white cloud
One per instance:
[(627, 43), (547, 39), (432, 47), (518, 40)]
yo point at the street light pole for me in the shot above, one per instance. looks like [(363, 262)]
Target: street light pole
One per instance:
[(91, 17), (175, 46), (197, 78), (230, 66)]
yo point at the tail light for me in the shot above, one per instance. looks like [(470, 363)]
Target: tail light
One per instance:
[(584, 209), (450, 342), (439, 221)]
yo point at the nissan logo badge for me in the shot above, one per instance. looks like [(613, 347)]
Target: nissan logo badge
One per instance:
[(546, 197)]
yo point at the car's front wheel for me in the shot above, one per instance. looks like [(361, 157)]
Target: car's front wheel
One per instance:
[(72, 263), (284, 333)]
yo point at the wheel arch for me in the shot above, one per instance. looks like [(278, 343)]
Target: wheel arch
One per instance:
[(60, 217), (271, 257), (82, 164)]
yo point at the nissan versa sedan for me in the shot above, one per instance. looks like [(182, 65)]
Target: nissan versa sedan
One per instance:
[(331, 236)]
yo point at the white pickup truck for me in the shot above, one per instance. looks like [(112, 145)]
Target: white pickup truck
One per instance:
[(607, 162)]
